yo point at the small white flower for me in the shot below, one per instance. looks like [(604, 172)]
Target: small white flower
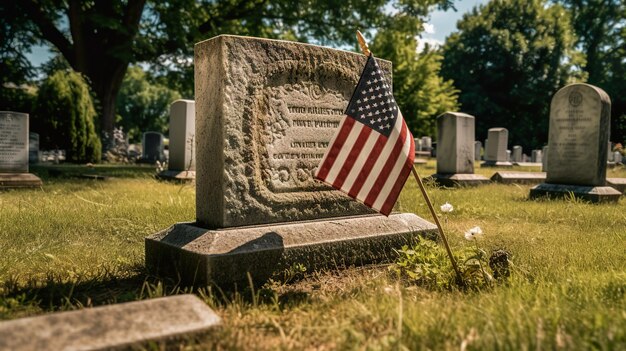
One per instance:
[(473, 233), (445, 208)]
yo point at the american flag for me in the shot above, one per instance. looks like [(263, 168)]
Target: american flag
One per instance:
[(372, 153)]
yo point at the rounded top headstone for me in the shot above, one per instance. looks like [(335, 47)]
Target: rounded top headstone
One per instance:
[(575, 93)]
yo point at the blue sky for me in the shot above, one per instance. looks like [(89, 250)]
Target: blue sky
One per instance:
[(440, 25)]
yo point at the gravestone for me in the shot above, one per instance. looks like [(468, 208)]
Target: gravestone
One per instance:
[(421, 157), (427, 143), (517, 154), (578, 134), (617, 157), (508, 177), (125, 326), (33, 147), (266, 111), (455, 154), (14, 152), (536, 156), (508, 155), (495, 154), (181, 165), (152, 146), (544, 159), (477, 149)]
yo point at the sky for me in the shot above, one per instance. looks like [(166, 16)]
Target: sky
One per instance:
[(440, 25)]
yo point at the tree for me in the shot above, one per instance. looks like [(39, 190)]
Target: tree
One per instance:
[(420, 91), (63, 114), (100, 39), (144, 105), (508, 58), (599, 25)]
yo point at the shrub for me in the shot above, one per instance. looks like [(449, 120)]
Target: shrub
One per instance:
[(64, 114)]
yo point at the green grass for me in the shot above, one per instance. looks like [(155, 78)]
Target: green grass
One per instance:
[(79, 243)]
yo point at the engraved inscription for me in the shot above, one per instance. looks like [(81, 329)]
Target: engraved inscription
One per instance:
[(305, 117), (13, 143)]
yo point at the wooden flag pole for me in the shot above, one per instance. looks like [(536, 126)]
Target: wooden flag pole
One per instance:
[(366, 52)]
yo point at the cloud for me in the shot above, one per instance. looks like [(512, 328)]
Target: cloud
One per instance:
[(429, 28), (421, 43)]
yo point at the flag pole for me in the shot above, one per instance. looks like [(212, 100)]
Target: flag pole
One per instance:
[(366, 51)]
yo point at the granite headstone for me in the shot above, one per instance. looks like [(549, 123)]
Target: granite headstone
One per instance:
[(181, 164), (495, 154), (153, 145), (266, 111), (578, 136), (14, 151)]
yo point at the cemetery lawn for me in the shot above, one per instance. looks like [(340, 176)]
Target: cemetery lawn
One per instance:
[(77, 243)]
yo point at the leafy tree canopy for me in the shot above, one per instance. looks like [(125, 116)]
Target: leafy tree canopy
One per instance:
[(508, 58)]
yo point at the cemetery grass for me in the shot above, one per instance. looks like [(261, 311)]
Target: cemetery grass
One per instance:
[(77, 243)]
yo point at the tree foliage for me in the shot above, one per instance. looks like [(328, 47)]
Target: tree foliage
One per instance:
[(63, 115), (100, 39), (419, 89), (601, 29), (144, 105), (508, 58)]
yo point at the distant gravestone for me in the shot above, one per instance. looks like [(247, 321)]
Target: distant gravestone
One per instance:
[(495, 154), (455, 154), (427, 143), (617, 156), (153, 145), (544, 159), (33, 147), (266, 112), (578, 135), (477, 148), (181, 164), (536, 156), (517, 154), (508, 155), (14, 152)]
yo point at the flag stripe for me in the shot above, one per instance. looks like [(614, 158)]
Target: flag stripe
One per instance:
[(401, 164), (355, 152), (367, 167), (387, 167), (335, 147), (377, 167), (364, 155), (342, 156)]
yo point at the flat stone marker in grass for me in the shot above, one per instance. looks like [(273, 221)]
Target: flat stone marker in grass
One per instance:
[(495, 149), (112, 327), (14, 141), (579, 131), (181, 165), (266, 111), (455, 155), (511, 177), (618, 184)]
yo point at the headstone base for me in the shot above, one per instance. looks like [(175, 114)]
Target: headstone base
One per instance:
[(519, 177), (595, 194), (420, 161), (617, 183), (197, 256), (527, 164), (125, 326), (460, 179), (19, 180), (423, 154), (496, 164), (180, 176)]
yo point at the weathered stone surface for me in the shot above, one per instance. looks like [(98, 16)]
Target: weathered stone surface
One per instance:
[(496, 147), (110, 327), (13, 142), (182, 147), (19, 180), (225, 256), (459, 179), (578, 136), (266, 111), (594, 194), (455, 143), (618, 184), (519, 177)]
